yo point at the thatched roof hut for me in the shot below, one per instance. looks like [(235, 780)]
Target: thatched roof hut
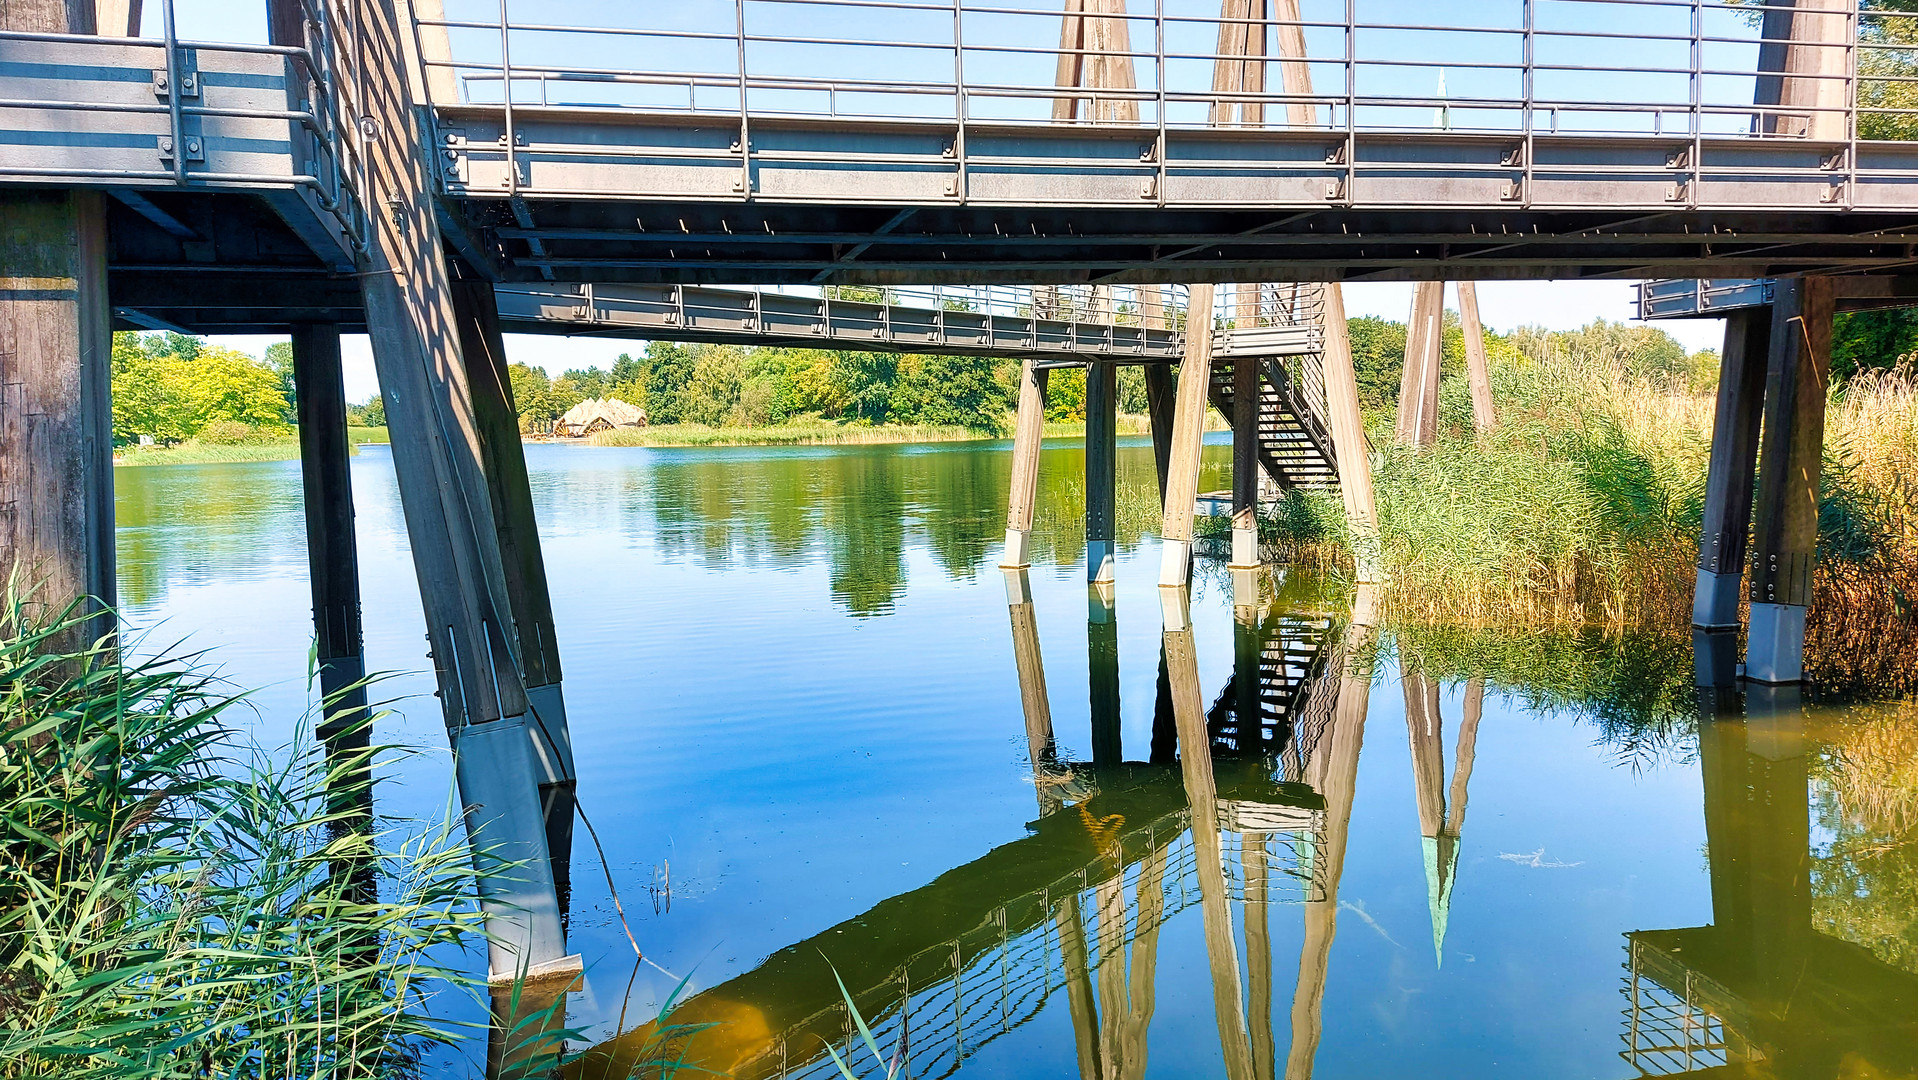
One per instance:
[(599, 414)]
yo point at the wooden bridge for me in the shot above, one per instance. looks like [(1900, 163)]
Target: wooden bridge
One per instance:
[(380, 166)]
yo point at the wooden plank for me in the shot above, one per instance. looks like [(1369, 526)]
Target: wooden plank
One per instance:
[(1028, 436), (1478, 370), (1188, 429), (1418, 383), (56, 423)]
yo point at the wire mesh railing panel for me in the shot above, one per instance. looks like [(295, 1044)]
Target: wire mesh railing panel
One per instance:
[(1666, 1032)]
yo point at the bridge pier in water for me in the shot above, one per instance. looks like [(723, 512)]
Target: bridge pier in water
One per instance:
[(1102, 451), (1028, 435), (1770, 416)]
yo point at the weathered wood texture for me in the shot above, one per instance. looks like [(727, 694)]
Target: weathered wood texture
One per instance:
[(1478, 371), (1741, 400), (503, 458), (1418, 383), (1349, 445), (416, 349), (1808, 44), (56, 422), (1160, 397), (1786, 522), (1188, 427), (1245, 444), (1094, 54), (1028, 435)]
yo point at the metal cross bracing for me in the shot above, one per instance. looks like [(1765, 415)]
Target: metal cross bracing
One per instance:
[(943, 140)]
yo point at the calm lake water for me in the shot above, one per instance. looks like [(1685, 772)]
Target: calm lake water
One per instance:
[(812, 730)]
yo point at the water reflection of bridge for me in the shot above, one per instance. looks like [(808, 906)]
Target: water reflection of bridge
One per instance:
[(1119, 848), (1760, 991)]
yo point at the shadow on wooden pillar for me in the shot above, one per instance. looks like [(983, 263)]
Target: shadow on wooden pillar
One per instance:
[(1102, 430), (332, 557), (503, 458), (1245, 463)]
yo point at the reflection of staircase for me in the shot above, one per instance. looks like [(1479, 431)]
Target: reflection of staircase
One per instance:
[(1290, 659), (1294, 446)]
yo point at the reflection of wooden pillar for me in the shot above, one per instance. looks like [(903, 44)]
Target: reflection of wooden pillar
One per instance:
[(1478, 370), (1785, 524), (1102, 450), (1069, 920), (1333, 773), (1033, 701), (1258, 951), (1728, 485), (1125, 1051), (1028, 435), (1188, 429), (1419, 383), (1195, 762)]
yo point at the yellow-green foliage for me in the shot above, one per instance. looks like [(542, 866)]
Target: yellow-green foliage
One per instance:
[(170, 388)]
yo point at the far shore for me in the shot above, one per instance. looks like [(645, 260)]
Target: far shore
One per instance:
[(193, 452)]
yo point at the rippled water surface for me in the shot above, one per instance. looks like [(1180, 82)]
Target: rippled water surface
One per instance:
[(1041, 837)]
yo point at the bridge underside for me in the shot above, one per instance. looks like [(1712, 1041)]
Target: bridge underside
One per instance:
[(777, 243)]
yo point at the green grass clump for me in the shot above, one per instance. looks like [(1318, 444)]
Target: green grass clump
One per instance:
[(177, 903)]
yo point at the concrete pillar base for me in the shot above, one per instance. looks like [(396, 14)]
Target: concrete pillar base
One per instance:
[(1715, 602), (1175, 563), (1100, 565), (1245, 549), (1775, 648), (1018, 542), (498, 786)]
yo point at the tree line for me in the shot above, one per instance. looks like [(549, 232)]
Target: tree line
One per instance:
[(171, 387)]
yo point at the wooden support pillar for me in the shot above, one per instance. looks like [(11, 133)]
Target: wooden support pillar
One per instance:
[(1245, 463), (1478, 371), (56, 416), (1028, 435), (1419, 384), (1786, 522), (1188, 429), (1348, 440), (1102, 450), (1728, 485), (1159, 392), (332, 555), (437, 455)]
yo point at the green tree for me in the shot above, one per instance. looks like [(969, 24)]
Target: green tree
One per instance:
[(279, 357), (949, 390), (149, 393), (1872, 339), (865, 381), (532, 394), (227, 384), (1378, 359), (665, 371), (371, 413)]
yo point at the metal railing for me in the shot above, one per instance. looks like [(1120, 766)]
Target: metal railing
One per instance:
[(1679, 71), (187, 87)]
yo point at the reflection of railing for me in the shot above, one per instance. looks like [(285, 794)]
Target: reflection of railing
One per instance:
[(1670, 1030), (999, 975)]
